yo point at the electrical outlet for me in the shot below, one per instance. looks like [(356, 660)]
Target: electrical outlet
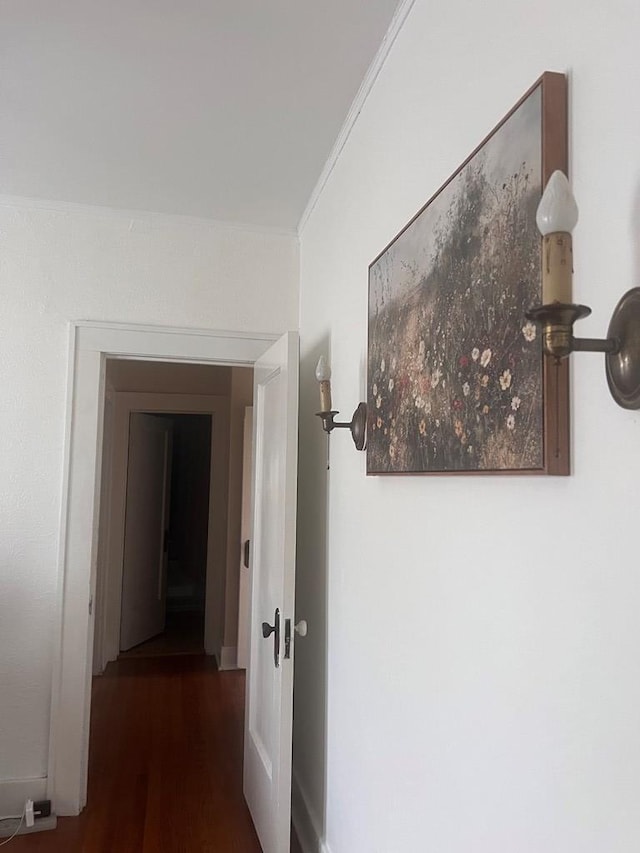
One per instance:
[(41, 808)]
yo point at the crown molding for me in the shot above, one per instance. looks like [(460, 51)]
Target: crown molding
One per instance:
[(396, 25), (144, 218)]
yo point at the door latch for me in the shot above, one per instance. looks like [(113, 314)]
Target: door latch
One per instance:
[(287, 638)]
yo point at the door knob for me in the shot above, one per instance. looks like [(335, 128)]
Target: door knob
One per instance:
[(268, 630), (301, 628)]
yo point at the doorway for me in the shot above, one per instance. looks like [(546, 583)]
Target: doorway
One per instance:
[(202, 408), (91, 345), (268, 716), (177, 486)]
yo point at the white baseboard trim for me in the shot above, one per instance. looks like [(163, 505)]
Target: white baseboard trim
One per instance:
[(15, 792), (228, 658), (305, 820)]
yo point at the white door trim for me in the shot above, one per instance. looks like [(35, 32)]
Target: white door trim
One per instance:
[(90, 345)]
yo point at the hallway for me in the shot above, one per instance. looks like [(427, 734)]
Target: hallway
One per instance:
[(165, 764)]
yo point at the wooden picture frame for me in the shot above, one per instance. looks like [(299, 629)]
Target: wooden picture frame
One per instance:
[(456, 379)]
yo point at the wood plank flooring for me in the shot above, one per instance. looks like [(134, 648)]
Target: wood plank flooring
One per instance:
[(165, 762), (183, 635)]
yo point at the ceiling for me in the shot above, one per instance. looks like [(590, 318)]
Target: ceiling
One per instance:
[(225, 109)]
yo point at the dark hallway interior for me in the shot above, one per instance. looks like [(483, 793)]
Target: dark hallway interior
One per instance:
[(187, 539)]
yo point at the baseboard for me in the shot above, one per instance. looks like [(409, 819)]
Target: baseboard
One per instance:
[(42, 824), (305, 821), (228, 658), (15, 792)]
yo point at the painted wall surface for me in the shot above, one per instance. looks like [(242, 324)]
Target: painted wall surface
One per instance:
[(77, 263), (166, 377), (483, 688)]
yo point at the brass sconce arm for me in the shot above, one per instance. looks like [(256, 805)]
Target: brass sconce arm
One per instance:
[(621, 346), (556, 322), (606, 345), (357, 424)]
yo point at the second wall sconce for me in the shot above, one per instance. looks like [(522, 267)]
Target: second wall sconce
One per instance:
[(357, 424), (557, 216)]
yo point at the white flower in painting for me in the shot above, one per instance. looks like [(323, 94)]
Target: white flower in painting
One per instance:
[(515, 403), (511, 422), (382, 366), (375, 389), (529, 331), (378, 401), (391, 384), (466, 389), (427, 407), (436, 376), (419, 402), (421, 349), (394, 361), (505, 379), (485, 358), (475, 353)]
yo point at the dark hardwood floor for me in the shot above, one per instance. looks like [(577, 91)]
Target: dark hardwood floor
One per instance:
[(183, 635), (165, 760)]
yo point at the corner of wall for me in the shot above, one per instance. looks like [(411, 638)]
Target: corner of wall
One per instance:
[(305, 821)]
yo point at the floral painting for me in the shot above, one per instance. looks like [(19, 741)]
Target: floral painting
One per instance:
[(455, 371)]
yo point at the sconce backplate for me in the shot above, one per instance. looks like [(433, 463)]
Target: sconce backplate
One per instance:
[(623, 366), (359, 426)]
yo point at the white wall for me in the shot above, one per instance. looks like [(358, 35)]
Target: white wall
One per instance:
[(483, 688), (58, 264)]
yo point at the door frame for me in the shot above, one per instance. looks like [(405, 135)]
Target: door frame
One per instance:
[(90, 345), (112, 523)]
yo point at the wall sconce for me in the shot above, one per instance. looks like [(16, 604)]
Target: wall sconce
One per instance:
[(556, 218), (357, 424)]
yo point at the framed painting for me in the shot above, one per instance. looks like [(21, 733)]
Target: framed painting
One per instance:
[(456, 379)]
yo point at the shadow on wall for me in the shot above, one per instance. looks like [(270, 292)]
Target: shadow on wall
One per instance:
[(635, 230), (310, 690)]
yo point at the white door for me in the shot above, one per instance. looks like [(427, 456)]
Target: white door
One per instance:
[(144, 571), (269, 700)]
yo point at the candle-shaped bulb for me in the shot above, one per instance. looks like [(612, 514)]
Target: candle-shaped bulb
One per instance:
[(556, 218), (557, 210), (323, 371), (323, 375)]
